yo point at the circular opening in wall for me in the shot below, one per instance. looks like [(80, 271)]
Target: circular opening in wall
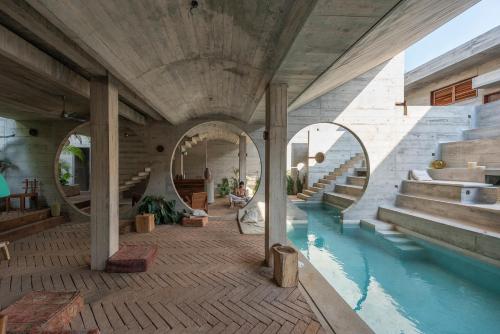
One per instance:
[(326, 162), (73, 167), (216, 164)]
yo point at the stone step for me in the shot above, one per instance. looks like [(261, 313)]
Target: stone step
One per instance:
[(25, 219), (29, 229), (453, 232), (486, 216), (310, 192), (303, 196), (356, 180), (465, 192), (325, 181), (360, 171), (458, 174), (356, 191), (316, 189), (319, 185), (481, 133), (376, 225), (339, 200), (483, 151)]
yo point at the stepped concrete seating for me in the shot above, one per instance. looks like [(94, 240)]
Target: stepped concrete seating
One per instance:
[(455, 232), (325, 184), (43, 312), (22, 225), (465, 192)]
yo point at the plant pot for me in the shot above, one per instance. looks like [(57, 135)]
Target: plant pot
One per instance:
[(195, 221), (55, 209), (145, 223)]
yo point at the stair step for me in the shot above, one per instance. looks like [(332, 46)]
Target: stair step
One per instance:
[(484, 151), (356, 180), (486, 216), (410, 248), (309, 192), (26, 219), (399, 239), (325, 181), (303, 196), (319, 185), (32, 228), (376, 225), (348, 189), (465, 192), (481, 133), (147, 169), (316, 189), (453, 232), (340, 200)]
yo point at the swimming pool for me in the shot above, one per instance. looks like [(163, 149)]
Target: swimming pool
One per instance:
[(427, 289)]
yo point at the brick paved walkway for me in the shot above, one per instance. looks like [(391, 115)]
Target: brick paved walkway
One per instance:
[(205, 280)]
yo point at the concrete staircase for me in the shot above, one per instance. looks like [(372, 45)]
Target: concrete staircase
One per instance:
[(134, 163), (463, 214), (329, 182), (457, 208), (348, 188)]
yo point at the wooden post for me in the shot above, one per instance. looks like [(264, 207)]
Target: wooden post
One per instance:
[(104, 220), (243, 159), (275, 167)]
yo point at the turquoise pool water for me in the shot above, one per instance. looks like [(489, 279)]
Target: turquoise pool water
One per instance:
[(436, 291)]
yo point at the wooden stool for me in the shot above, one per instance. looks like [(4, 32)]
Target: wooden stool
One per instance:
[(5, 249)]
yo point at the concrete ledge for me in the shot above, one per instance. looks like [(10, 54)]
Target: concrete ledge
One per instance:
[(338, 316)]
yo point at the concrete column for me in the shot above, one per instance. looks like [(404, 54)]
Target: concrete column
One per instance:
[(275, 180), (243, 159), (104, 220)]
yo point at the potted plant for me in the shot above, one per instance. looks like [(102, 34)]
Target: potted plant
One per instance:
[(156, 210)]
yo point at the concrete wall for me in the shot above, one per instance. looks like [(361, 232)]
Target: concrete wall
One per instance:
[(421, 95), (34, 157), (222, 160), (394, 143)]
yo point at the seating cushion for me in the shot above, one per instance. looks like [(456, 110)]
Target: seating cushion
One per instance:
[(43, 311), (132, 259)]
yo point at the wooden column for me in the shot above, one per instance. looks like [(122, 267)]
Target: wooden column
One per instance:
[(104, 220), (243, 159), (275, 176)]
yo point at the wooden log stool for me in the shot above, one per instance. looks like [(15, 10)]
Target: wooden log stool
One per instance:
[(286, 266)]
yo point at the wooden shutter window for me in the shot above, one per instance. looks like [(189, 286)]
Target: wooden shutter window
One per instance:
[(454, 93), (492, 97)]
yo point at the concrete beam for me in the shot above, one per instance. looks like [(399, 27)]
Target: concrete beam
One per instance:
[(21, 52), (486, 80), (130, 114), (405, 24), (275, 167), (104, 221)]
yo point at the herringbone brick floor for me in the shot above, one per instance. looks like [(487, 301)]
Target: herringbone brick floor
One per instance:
[(205, 280)]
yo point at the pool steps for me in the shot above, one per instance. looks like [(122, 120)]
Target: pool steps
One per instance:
[(394, 240)]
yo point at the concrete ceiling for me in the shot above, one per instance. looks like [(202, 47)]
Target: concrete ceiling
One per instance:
[(216, 131), (217, 58)]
